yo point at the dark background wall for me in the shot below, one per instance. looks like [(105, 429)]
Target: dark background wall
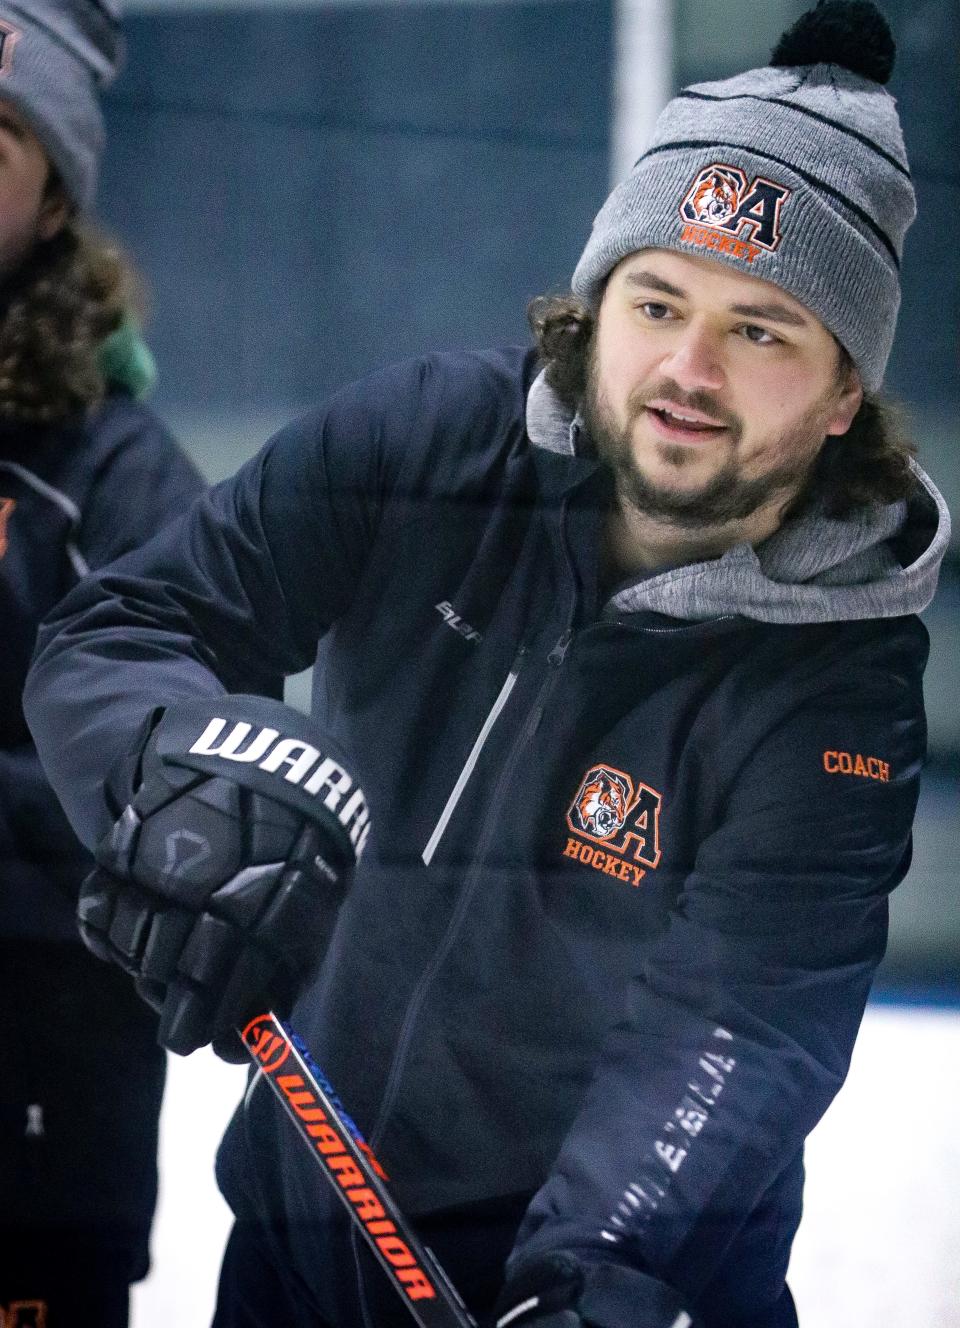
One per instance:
[(314, 193)]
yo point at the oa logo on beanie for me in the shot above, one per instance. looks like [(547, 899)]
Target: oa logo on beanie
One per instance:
[(725, 212), (9, 36)]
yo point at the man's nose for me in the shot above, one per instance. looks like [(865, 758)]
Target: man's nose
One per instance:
[(695, 360)]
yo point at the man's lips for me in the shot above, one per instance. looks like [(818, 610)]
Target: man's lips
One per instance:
[(680, 422)]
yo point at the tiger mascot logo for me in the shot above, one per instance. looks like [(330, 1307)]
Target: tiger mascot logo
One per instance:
[(601, 806), (715, 195)]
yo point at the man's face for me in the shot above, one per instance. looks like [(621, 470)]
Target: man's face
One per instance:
[(27, 212), (710, 392)]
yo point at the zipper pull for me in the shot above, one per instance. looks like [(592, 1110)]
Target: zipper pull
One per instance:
[(559, 651)]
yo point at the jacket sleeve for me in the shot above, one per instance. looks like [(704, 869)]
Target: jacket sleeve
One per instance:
[(740, 1023), (229, 597)]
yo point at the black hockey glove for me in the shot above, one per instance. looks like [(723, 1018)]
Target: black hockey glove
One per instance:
[(565, 1290), (542, 1294), (219, 884)]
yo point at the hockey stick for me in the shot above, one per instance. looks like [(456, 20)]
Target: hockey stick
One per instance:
[(349, 1164)]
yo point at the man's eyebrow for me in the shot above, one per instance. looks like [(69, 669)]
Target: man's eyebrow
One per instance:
[(770, 313), (651, 281)]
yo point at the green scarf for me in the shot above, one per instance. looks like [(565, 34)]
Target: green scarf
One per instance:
[(126, 362)]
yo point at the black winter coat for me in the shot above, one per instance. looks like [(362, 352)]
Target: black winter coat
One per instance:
[(612, 934), (72, 498)]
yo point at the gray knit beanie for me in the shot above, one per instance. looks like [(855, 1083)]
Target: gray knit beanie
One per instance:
[(795, 173), (55, 56)]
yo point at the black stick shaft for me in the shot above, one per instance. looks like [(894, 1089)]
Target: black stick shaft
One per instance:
[(349, 1164)]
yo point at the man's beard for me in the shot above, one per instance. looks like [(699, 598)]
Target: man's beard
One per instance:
[(728, 495)]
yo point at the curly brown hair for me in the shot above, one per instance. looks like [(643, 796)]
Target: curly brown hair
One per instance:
[(869, 464), (58, 308)]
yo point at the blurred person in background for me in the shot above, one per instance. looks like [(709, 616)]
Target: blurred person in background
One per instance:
[(617, 687), (86, 473)]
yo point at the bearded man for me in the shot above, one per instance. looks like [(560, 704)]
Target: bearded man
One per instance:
[(620, 639)]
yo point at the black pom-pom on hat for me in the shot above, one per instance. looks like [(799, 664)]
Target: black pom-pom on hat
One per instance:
[(850, 33)]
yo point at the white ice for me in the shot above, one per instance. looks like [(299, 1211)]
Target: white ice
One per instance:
[(879, 1245)]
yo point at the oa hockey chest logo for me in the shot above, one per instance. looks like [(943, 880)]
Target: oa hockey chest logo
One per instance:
[(615, 824)]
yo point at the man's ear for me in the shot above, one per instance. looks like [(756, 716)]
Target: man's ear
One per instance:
[(849, 399), (55, 211)]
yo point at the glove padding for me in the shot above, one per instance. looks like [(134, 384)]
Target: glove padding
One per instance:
[(218, 886), (563, 1289), (542, 1293)]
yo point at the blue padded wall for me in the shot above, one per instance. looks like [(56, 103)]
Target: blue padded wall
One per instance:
[(925, 366), (312, 193)]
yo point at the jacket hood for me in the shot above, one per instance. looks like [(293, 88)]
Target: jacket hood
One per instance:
[(881, 562)]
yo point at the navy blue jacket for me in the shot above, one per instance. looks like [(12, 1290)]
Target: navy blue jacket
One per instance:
[(72, 497), (612, 934)]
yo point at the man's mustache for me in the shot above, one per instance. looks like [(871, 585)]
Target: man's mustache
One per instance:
[(702, 401)]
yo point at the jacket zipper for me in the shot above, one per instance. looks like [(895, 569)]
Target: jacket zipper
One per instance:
[(555, 658), (675, 631), (471, 761)]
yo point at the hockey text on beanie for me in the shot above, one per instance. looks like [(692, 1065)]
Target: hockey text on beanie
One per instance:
[(795, 173)]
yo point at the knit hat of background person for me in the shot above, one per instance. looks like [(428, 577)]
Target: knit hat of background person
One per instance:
[(55, 56), (795, 173)]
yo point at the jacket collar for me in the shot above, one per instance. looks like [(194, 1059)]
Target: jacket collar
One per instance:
[(549, 422)]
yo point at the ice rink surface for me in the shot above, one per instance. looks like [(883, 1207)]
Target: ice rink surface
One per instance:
[(879, 1245)]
